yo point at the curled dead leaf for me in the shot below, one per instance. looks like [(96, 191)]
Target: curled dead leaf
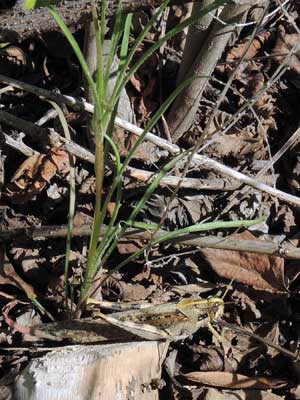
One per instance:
[(13, 61), (284, 44), (47, 171), (35, 172), (61, 160), (257, 44), (8, 276), (27, 171)]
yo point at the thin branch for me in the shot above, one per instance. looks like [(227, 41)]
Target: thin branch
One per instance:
[(17, 143), (267, 342), (283, 249), (203, 161), (45, 136), (74, 149)]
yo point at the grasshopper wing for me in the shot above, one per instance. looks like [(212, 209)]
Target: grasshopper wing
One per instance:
[(144, 331)]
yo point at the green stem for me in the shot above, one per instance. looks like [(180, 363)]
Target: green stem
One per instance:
[(99, 170), (192, 229)]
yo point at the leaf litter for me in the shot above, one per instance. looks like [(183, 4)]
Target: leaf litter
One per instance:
[(264, 294)]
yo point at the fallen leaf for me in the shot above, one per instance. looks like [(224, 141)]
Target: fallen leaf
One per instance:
[(8, 276), (136, 83), (129, 246), (284, 44), (47, 171), (35, 172), (136, 292), (259, 271), (213, 394), (205, 358), (234, 381), (237, 51), (61, 160), (27, 170)]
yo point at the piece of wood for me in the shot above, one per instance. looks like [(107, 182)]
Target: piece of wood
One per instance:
[(120, 371), (16, 24)]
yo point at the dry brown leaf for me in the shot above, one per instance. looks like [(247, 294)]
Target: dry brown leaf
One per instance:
[(213, 394), (8, 276), (136, 292), (234, 381), (258, 42), (136, 83), (237, 145), (129, 246), (61, 160), (259, 271), (146, 152), (255, 84), (207, 358), (27, 170), (82, 218), (13, 61), (35, 172), (47, 171), (284, 43)]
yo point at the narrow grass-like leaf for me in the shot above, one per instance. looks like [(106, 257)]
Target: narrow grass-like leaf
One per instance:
[(98, 30), (103, 118), (178, 28), (122, 70), (116, 35), (125, 40), (118, 178), (150, 189), (30, 4), (72, 199), (79, 55), (191, 229)]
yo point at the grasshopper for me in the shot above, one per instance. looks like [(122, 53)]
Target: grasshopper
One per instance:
[(170, 321)]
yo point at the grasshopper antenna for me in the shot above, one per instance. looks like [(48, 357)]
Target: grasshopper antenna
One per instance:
[(231, 282), (228, 287)]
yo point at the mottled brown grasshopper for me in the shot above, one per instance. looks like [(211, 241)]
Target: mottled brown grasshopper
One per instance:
[(169, 321)]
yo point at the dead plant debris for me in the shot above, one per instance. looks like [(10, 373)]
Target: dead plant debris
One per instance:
[(243, 129)]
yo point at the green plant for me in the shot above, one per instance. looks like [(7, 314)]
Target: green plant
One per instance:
[(102, 126)]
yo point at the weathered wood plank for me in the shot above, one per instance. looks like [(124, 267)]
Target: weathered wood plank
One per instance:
[(113, 371)]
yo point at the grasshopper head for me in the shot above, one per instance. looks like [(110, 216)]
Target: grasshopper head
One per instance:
[(212, 308), (216, 308)]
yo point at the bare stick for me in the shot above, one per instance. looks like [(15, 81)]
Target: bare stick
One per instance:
[(284, 249), (18, 144), (172, 148), (74, 149), (44, 136)]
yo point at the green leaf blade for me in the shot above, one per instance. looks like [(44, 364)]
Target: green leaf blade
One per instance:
[(32, 4)]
